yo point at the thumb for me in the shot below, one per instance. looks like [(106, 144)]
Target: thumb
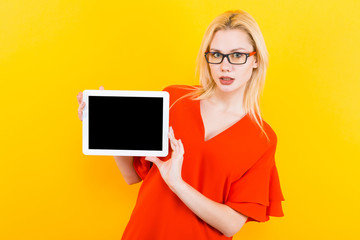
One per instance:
[(154, 160), (101, 88)]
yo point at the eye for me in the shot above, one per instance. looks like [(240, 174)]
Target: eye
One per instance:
[(237, 54), (216, 54)]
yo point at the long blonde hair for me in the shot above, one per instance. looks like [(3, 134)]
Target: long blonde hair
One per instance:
[(234, 19)]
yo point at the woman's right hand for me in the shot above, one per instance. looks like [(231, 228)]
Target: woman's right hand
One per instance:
[(82, 104)]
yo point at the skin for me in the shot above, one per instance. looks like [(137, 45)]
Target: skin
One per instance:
[(226, 102), (227, 105), (124, 163), (229, 98), (82, 104)]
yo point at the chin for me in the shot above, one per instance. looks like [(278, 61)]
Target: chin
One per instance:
[(229, 88)]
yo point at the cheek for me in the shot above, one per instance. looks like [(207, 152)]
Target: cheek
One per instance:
[(245, 74), (213, 71)]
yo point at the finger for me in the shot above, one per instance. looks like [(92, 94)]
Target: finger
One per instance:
[(173, 142), (79, 97), (171, 139), (176, 146), (176, 143), (154, 160), (182, 150), (82, 106), (101, 88), (80, 110), (172, 134), (80, 115), (172, 131)]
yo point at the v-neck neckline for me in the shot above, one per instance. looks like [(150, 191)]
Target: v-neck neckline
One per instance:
[(220, 133)]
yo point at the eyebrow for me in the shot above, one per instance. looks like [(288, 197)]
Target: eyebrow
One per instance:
[(230, 50)]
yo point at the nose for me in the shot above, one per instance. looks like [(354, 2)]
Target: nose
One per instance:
[(225, 65)]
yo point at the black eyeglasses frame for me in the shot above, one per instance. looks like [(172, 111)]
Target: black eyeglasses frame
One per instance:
[(227, 56)]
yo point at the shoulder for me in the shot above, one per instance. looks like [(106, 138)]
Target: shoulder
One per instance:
[(265, 147), (260, 140), (270, 133), (177, 91)]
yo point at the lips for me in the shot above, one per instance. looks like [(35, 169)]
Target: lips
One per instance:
[(226, 78)]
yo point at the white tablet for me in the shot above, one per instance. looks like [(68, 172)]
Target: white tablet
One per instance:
[(125, 123)]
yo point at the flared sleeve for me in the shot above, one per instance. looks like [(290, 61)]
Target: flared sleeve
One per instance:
[(141, 166), (257, 193)]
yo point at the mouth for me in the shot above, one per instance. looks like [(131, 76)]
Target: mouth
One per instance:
[(226, 80)]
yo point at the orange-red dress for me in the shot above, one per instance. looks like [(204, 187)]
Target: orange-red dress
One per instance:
[(236, 168)]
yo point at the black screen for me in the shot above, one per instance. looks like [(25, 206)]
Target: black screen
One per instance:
[(125, 123)]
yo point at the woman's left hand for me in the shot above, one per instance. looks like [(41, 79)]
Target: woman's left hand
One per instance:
[(170, 170)]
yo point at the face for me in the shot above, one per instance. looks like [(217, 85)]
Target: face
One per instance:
[(228, 41)]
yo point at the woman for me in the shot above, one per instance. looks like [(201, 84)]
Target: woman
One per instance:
[(221, 172)]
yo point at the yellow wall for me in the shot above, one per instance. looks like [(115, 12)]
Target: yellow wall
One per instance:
[(51, 50)]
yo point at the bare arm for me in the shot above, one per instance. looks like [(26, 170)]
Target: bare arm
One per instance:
[(124, 163), (218, 215)]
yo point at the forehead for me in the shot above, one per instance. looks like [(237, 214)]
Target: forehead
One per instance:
[(226, 40)]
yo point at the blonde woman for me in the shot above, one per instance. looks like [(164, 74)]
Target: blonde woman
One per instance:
[(220, 172)]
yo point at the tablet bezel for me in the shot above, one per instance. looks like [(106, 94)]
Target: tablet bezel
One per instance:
[(126, 93)]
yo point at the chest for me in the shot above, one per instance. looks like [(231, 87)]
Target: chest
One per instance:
[(218, 147), (215, 121)]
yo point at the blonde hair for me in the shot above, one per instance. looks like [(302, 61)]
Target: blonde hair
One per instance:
[(234, 19)]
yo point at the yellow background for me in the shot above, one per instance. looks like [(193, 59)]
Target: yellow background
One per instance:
[(51, 50)]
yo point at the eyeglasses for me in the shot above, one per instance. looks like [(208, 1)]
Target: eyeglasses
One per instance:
[(236, 58)]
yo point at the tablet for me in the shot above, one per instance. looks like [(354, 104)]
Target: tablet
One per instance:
[(125, 123)]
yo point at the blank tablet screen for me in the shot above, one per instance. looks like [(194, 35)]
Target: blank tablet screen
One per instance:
[(125, 123)]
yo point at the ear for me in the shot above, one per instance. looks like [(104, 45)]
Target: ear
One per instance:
[(255, 64)]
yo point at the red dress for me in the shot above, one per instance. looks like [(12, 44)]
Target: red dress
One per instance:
[(236, 168)]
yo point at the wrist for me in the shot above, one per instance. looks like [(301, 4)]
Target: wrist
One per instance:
[(177, 186)]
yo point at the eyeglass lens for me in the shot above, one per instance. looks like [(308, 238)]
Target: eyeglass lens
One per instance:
[(237, 58)]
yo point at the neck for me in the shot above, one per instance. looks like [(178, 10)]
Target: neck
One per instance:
[(231, 102)]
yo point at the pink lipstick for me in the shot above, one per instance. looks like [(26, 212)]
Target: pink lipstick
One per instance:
[(225, 80)]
